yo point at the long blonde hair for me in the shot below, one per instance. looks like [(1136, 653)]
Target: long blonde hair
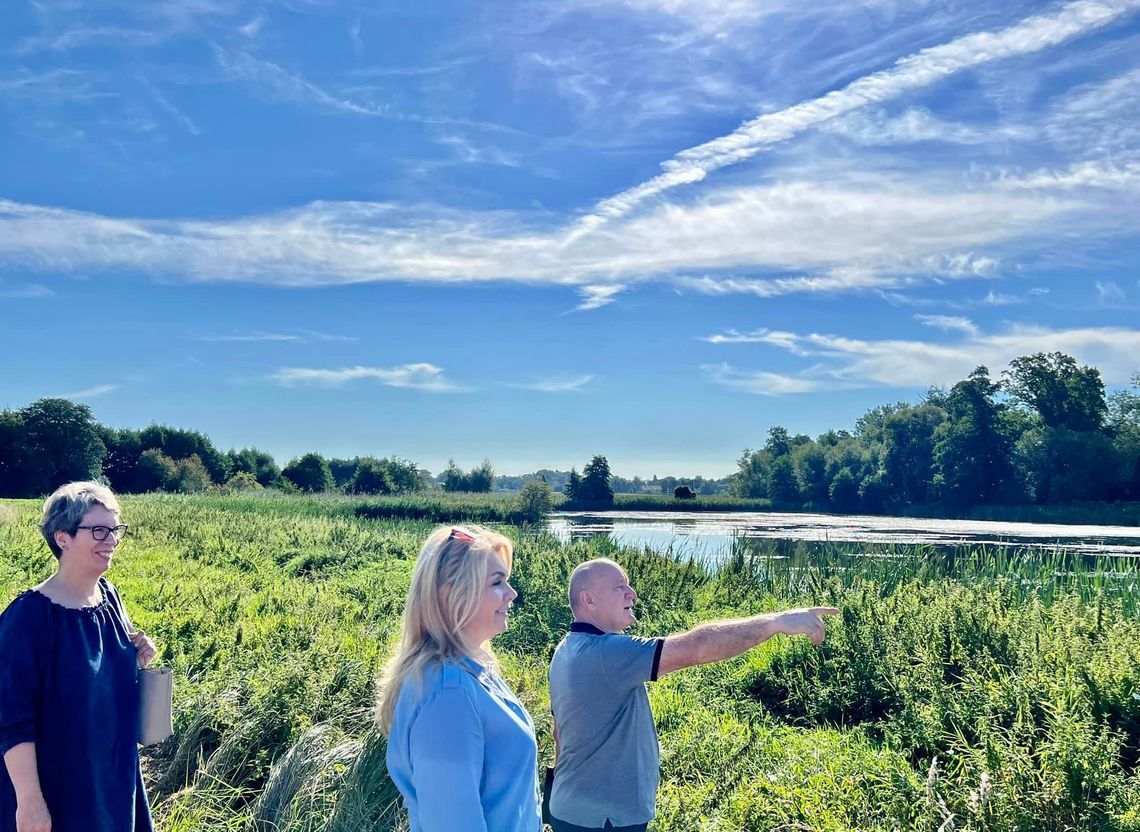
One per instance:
[(444, 595)]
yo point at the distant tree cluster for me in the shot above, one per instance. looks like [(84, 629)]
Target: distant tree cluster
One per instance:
[(592, 486), (53, 441), (1045, 433), (479, 479)]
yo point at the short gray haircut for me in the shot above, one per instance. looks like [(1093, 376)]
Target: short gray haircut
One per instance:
[(64, 509)]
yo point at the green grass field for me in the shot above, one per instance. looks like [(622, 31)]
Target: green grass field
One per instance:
[(987, 690)]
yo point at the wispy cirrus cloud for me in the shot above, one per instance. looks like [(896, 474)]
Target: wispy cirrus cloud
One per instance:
[(1110, 294), (576, 384), (25, 291), (90, 392), (839, 362), (872, 232), (284, 337), (910, 73), (949, 323), (765, 383), (425, 377), (595, 297), (278, 83), (918, 124)]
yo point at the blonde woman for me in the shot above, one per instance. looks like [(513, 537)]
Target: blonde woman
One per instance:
[(461, 747)]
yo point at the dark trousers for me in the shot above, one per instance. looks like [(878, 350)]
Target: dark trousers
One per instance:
[(561, 826)]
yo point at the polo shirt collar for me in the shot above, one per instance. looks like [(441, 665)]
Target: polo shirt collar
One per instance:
[(586, 627)]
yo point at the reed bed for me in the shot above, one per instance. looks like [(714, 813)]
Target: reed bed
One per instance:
[(975, 689)]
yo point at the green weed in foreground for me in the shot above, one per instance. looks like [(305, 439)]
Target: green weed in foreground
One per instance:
[(987, 690)]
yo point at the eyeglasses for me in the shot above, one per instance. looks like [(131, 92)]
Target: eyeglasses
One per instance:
[(101, 532)]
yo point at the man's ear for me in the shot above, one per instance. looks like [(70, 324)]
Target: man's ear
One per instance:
[(61, 539), (586, 599)]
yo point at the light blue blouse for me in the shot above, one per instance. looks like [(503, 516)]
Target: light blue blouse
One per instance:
[(462, 752)]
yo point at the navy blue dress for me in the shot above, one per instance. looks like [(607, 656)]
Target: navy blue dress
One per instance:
[(68, 683)]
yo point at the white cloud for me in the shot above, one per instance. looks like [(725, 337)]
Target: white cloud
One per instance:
[(786, 340), (993, 298), (1098, 174), (910, 73), (90, 392), (595, 297), (949, 323), (764, 383), (1098, 119), (254, 337), (426, 377), (1109, 294), (919, 364), (555, 385), (280, 84), (876, 231), (917, 124), (24, 292)]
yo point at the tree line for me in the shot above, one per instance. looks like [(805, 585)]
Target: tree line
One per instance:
[(53, 441), (1043, 433)]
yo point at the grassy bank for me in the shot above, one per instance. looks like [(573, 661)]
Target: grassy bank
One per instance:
[(985, 690)]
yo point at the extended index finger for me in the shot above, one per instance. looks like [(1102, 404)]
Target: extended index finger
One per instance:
[(825, 610)]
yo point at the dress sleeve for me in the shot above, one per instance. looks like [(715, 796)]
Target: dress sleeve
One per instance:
[(446, 751), (22, 650)]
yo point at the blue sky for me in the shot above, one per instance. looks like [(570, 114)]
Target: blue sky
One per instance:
[(535, 231)]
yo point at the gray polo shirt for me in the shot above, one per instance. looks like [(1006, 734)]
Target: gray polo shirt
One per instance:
[(608, 760)]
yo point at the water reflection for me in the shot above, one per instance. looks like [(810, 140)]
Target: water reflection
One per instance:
[(710, 535)]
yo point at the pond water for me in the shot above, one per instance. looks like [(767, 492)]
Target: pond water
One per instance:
[(709, 535)]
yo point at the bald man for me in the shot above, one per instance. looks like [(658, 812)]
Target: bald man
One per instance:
[(607, 769)]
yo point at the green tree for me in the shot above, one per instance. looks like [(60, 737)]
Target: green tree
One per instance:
[(242, 481), (1062, 393), (13, 455), (1124, 426), (535, 501), (309, 473), (779, 441), (809, 462), (371, 477), (343, 470), (124, 448), (844, 492), (596, 483), (190, 476), (155, 471), (908, 452), (1060, 465), (62, 443), (574, 486), (180, 443), (972, 450), (782, 485), (482, 478), (453, 479), (404, 475), (751, 477), (257, 463)]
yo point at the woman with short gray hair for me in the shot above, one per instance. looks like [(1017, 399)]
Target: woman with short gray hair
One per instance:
[(69, 696)]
